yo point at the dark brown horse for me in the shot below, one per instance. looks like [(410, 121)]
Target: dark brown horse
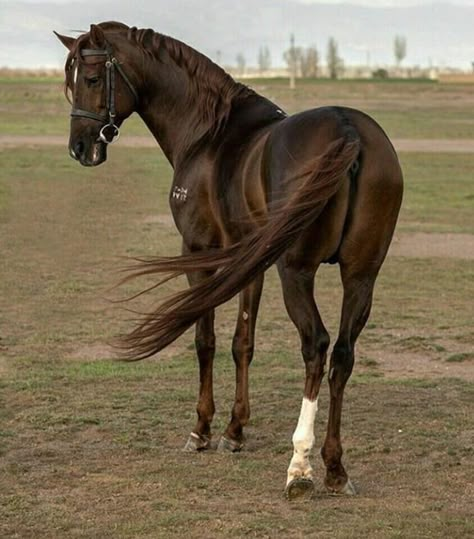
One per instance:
[(251, 187)]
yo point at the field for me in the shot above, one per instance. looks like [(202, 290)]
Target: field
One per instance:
[(91, 447)]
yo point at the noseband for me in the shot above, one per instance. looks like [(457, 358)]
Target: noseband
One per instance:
[(109, 133)]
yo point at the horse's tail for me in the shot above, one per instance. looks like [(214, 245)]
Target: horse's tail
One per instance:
[(238, 265)]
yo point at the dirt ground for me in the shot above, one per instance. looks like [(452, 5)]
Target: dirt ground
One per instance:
[(402, 145), (90, 447)]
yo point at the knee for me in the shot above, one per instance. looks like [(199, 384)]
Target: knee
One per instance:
[(205, 346), (314, 346), (242, 349)]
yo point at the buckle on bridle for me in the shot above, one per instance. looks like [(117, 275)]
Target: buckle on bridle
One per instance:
[(109, 138)]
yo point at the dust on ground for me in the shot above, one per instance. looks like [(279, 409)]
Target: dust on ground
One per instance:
[(401, 145), (429, 245)]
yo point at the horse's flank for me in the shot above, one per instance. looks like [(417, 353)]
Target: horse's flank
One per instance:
[(237, 266)]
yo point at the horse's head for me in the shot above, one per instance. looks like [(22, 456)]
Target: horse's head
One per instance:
[(101, 94)]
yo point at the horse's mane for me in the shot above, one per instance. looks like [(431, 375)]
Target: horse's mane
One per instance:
[(212, 90)]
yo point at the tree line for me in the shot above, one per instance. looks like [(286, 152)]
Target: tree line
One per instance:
[(305, 61)]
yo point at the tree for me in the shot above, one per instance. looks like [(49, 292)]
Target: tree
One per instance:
[(295, 58), (290, 57), (240, 59), (335, 63), (302, 62), (310, 62), (264, 59), (399, 49), (380, 73)]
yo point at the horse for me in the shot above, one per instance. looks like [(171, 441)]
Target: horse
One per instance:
[(252, 187)]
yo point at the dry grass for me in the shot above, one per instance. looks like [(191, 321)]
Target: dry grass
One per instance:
[(90, 447)]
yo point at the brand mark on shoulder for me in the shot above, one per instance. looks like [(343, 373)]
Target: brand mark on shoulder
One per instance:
[(180, 193)]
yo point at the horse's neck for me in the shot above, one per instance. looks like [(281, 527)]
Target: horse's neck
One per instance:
[(173, 115), (167, 117)]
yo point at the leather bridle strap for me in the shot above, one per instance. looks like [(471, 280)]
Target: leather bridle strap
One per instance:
[(80, 113), (111, 65)]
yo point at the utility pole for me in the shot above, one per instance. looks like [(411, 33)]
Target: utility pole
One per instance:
[(292, 63)]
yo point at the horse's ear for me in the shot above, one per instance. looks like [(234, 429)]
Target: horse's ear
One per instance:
[(97, 36), (68, 42)]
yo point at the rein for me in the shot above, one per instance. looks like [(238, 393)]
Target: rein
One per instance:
[(109, 133)]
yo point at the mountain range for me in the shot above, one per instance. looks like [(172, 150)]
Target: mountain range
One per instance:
[(439, 34)]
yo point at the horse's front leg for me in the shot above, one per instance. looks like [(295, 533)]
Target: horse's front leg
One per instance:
[(242, 352), (200, 437)]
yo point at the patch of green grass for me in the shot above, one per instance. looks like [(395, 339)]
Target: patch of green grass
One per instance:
[(30, 79), (441, 111), (423, 124), (438, 191), (365, 378), (420, 343), (459, 358), (415, 382), (4, 200), (39, 107), (368, 362), (405, 109), (415, 288)]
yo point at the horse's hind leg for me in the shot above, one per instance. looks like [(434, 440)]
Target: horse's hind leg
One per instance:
[(298, 288), (200, 437), (358, 289), (242, 352), (375, 206)]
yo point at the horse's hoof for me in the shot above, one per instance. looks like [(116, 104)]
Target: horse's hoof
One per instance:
[(197, 442), (300, 488), (229, 446), (347, 490)]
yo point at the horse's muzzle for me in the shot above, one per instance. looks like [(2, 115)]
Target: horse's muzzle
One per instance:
[(89, 155)]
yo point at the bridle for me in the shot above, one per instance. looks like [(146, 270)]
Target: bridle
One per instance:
[(109, 132)]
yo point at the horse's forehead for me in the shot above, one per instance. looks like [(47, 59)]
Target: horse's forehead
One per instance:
[(85, 44)]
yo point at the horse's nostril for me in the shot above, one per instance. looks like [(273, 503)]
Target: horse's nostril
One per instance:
[(79, 148)]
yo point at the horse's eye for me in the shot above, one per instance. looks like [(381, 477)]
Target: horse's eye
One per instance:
[(92, 81)]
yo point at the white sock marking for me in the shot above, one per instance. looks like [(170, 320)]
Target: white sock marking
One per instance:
[(303, 441)]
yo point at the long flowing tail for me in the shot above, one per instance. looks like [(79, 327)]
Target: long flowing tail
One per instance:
[(236, 266)]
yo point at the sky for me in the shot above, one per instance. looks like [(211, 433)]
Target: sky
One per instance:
[(373, 3), (384, 3), (436, 36)]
